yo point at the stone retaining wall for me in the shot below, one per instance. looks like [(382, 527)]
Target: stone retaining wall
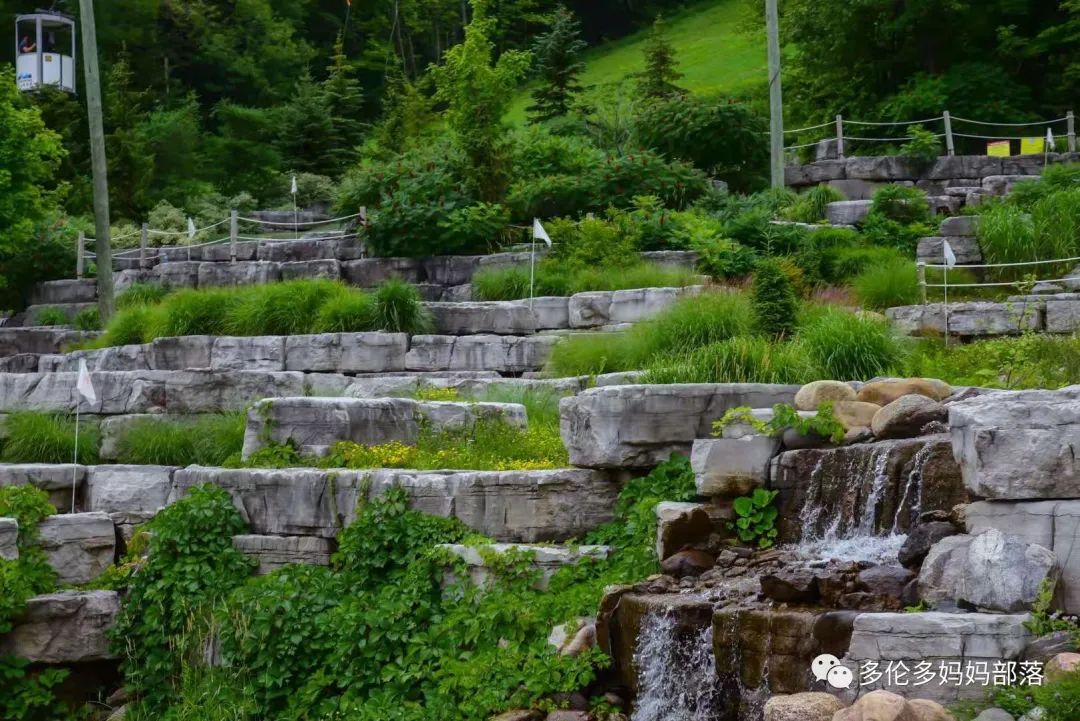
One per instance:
[(859, 176)]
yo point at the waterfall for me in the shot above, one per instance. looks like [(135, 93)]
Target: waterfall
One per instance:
[(676, 672), (914, 483)]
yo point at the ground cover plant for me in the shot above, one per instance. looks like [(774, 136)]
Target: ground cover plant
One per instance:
[(288, 308), (460, 653)]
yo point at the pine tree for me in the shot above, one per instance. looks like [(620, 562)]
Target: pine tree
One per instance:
[(658, 79), (558, 64), (774, 300), (345, 99)]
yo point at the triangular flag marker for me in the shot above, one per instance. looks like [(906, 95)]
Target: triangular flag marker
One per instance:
[(190, 229), (1049, 140), (950, 257), (84, 385), (539, 233), (293, 190)]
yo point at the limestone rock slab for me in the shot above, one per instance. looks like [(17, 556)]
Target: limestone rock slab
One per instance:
[(496, 318), (1019, 445), (991, 571), (251, 272), (257, 353), (54, 479), (79, 546), (974, 319), (732, 466), (63, 628), (642, 425), (346, 352), (273, 552), (847, 212), (128, 488), (326, 269), (314, 424), (547, 560), (9, 539)]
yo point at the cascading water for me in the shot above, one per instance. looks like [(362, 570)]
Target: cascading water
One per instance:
[(676, 672), (853, 498)]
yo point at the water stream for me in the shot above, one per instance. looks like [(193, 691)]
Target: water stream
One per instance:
[(676, 672)]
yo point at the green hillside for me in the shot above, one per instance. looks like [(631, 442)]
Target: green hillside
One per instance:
[(715, 54)]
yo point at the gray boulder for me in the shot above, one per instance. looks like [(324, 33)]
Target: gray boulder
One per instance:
[(732, 467), (496, 318), (1050, 524), (906, 416), (346, 352), (253, 272), (179, 274), (327, 269), (546, 560), (314, 424), (54, 479), (847, 212), (1062, 316), (991, 571), (1019, 445), (502, 354), (79, 546), (680, 524), (64, 628), (973, 319), (1046, 647), (642, 425), (273, 552), (9, 539), (126, 489), (994, 714), (966, 250), (921, 539), (257, 353), (960, 225), (511, 506)]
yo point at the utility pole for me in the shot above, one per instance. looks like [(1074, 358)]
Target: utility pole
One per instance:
[(102, 246), (776, 100)]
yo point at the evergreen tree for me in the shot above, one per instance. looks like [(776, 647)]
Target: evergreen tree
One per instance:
[(774, 300), (345, 100), (660, 74), (405, 111), (306, 129), (558, 64)]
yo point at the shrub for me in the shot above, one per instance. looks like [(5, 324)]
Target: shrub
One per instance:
[(923, 147), (725, 258), (1057, 177), (131, 325), (397, 308), (774, 301), (87, 319), (1030, 361), (346, 313), (1060, 698), (743, 359), (845, 346), (36, 437), (902, 204), (141, 294), (51, 316), (207, 441), (501, 283), (885, 286), (592, 242), (1056, 219), (621, 178), (810, 207), (475, 226), (818, 254), (725, 139), (847, 262)]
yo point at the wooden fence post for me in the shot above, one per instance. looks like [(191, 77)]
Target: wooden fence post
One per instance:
[(949, 147), (144, 234), (839, 137), (80, 259), (233, 232), (1071, 120)]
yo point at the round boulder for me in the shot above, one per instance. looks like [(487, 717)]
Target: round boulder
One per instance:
[(1062, 665), (886, 391), (877, 706), (812, 395), (687, 563), (995, 714), (906, 416), (926, 710), (809, 706), (921, 539), (855, 414)]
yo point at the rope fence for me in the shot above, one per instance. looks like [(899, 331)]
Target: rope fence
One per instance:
[(947, 132), (921, 266), (145, 254)]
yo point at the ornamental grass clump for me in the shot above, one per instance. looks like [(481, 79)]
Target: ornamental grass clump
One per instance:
[(37, 437)]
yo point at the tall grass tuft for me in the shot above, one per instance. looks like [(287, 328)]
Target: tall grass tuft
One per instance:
[(399, 309), (193, 312), (346, 313), (887, 285), (36, 437), (811, 205), (844, 346), (288, 308), (130, 325), (562, 279), (591, 354), (745, 359), (208, 440), (1007, 235), (541, 404), (51, 316), (141, 294)]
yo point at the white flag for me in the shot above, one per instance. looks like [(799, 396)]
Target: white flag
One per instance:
[(950, 257), (83, 385), (190, 229), (1049, 140), (539, 233), (293, 191)]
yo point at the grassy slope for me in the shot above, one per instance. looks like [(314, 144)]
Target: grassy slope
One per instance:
[(715, 55)]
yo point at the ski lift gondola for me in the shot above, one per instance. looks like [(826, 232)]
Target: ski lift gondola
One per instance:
[(45, 51)]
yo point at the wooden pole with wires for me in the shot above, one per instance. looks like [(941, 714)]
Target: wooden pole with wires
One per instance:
[(776, 100), (99, 165)]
